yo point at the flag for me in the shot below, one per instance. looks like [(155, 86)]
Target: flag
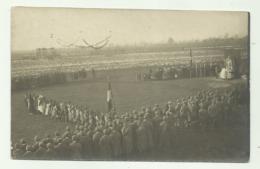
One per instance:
[(109, 98), (190, 58)]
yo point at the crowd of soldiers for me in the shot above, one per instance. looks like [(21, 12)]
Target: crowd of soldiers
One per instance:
[(117, 135), (56, 77), (66, 112), (181, 72), (32, 81)]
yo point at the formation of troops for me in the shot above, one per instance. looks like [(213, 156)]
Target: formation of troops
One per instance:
[(46, 79), (159, 73), (122, 135), (67, 112), (195, 70)]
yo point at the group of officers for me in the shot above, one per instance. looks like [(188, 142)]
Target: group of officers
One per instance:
[(117, 135)]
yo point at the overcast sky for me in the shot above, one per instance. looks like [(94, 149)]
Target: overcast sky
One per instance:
[(32, 27)]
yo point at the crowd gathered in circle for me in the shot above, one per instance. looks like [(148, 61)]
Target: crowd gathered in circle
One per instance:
[(114, 134)]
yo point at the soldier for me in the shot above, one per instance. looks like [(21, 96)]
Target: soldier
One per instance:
[(41, 151), (18, 151), (48, 139), (54, 111), (105, 145), (86, 142), (59, 148), (216, 71), (65, 148), (50, 152), (156, 129), (212, 114), (194, 110), (75, 148), (23, 144), (29, 153), (184, 112), (30, 104), (57, 136), (149, 131), (128, 142), (165, 142), (203, 115), (177, 108), (95, 139), (170, 107), (116, 142), (142, 139), (228, 107), (69, 112), (36, 142)]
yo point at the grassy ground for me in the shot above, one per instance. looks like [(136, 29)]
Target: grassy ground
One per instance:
[(128, 95)]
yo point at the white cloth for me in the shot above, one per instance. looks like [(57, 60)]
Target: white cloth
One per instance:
[(223, 73)]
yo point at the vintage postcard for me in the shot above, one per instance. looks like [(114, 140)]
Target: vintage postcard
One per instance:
[(129, 85)]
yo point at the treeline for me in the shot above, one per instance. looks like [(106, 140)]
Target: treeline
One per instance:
[(170, 45), (240, 42)]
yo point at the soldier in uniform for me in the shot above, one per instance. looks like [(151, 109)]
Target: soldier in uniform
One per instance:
[(96, 139), (194, 110), (41, 151), (128, 141), (29, 153), (148, 125), (142, 139), (165, 135), (203, 115), (18, 151), (184, 111), (75, 148), (30, 103), (212, 114), (86, 142), (116, 142), (36, 142), (50, 152), (67, 133), (105, 145), (156, 129), (23, 144), (56, 137), (60, 148)]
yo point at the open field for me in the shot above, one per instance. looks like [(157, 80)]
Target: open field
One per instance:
[(128, 95)]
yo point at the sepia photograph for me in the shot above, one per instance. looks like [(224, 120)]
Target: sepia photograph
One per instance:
[(130, 85)]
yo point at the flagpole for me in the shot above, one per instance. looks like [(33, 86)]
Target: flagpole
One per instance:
[(190, 63)]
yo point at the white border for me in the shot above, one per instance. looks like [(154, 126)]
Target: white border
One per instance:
[(253, 6)]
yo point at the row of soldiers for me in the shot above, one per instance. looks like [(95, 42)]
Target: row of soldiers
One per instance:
[(63, 111), (117, 135), (56, 77), (180, 72), (29, 82)]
